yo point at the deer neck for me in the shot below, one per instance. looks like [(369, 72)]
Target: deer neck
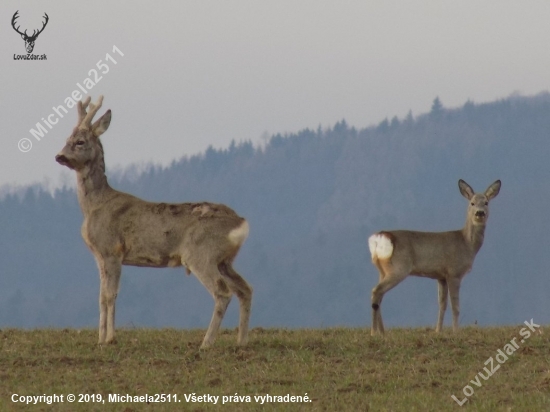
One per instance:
[(474, 234), (92, 185)]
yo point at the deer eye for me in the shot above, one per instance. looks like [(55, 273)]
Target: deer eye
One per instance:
[(472, 203), (80, 143), (486, 203)]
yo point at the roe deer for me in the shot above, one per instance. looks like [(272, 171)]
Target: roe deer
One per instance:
[(444, 256), (121, 229)]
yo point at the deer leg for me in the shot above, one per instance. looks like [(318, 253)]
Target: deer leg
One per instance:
[(454, 290), (213, 282), (442, 294), (377, 314), (109, 272), (244, 293), (387, 283), (102, 317)]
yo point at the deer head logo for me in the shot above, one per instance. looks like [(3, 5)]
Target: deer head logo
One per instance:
[(29, 40)]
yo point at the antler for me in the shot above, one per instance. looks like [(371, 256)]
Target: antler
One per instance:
[(85, 119), (43, 26), (34, 33), (15, 16), (81, 106)]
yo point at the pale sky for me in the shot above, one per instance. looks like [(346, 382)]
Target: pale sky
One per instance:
[(200, 73)]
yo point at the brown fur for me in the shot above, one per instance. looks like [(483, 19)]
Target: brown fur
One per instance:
[(444, 256), (121, 229)]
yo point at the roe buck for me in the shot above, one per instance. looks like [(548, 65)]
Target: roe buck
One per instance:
[(121, 229), (444, 256)]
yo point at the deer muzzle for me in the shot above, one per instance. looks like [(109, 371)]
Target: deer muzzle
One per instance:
[(63, 160)]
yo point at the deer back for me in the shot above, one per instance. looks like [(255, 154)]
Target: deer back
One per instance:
[(163, 234)]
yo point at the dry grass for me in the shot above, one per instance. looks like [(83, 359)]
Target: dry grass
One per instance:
[(339, 369)]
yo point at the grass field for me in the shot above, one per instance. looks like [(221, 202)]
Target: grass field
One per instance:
[(339, 369)]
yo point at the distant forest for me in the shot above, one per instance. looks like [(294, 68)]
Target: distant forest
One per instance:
[(312, 198)]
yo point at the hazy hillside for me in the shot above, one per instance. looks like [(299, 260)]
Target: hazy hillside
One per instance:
[(312, 198)]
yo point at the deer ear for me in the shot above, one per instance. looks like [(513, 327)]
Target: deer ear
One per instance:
[(102, 124), (465, 189), (492, 191)]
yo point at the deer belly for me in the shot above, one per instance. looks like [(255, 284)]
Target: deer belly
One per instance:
[(429, 274), (152, 260)]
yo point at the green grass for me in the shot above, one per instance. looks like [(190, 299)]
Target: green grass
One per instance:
[(339, 369)]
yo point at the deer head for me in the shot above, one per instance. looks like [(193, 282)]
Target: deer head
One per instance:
[(83, 147), (478, 210), (29, 40)]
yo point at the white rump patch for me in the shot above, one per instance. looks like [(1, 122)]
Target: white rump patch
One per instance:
[(380, 246), (238, 236)]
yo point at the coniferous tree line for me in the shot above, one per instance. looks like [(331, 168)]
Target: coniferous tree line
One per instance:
[(312, 198)]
